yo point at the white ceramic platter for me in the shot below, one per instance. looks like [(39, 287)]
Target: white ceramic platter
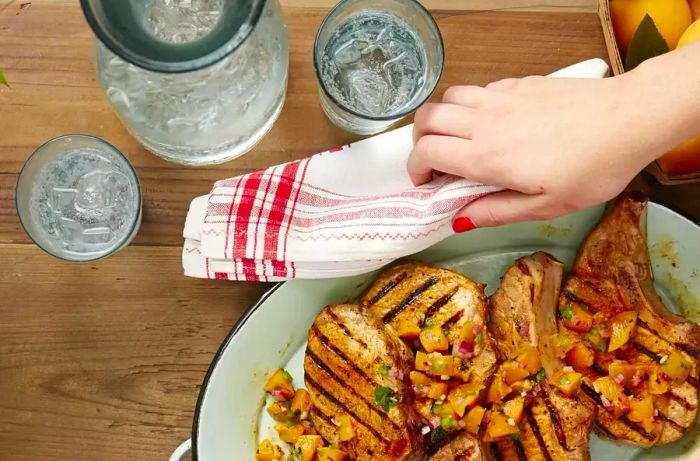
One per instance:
[(272, 334)]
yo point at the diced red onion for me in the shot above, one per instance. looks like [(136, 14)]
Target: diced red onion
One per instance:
[(605, 401)]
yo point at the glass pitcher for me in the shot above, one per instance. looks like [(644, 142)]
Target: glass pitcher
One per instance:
[(197, 82)]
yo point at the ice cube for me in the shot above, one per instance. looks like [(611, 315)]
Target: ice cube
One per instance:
[(369, 90), (61, 198), (350, 51), (95, 235), (90, 192)]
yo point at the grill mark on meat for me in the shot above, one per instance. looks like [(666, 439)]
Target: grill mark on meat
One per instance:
[(454, 319), (323, 339), (684, 347), (681, 400), (435, 447), (592, 286), (605, 431), (673, 423), (538, 435), (556, 420), (623, 419), (387, 288), (598, 369), (649, 353), (465, 454), (319, 363), (391, 315), (532, 294), (573, 298), (344, 327), (693, 381), (321, 415), (523, 267), (435, 307), (337, 402), (520, 450)]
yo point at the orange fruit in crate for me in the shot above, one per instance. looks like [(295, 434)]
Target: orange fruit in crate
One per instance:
[(686, 157), (672, 18), (691, 34)]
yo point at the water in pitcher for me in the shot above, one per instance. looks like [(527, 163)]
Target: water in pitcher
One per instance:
[(374, 63), (208, 115), (83, 203)]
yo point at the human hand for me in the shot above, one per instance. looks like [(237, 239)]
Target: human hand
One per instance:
[(555, 145)]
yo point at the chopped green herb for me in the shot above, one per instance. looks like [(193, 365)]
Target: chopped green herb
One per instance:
[(427, 323), (471, 391), (682, 364), (448, 422), (296, 452), (383, 396), (437, 408), (595, 330), (384, 369), (539, 376), (287, 376), (446, 331), (564, 380), (479, 339), (290, 422), (516, 437), (567, 312), (563, 341), (600, 345)]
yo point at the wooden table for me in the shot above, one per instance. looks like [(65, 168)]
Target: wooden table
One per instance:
[(103, 361)]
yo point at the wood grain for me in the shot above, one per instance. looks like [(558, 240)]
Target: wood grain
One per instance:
[(104, 361)]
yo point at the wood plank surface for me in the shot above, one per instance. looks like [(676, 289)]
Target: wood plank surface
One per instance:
[(104, 361)]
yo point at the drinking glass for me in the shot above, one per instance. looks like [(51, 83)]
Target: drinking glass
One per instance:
[(79, 198), (376, 62)]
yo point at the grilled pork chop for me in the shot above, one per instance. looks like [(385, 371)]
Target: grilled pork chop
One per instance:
[(355, 367), (612, 275), (523, 312), (416, 292), (459, 446)]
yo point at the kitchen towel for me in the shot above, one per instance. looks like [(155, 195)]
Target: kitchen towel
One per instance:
[(345, 211)]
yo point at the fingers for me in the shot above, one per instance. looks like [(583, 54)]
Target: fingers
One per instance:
[(502, 208), (446, 154), (443, 119), (466, 95)]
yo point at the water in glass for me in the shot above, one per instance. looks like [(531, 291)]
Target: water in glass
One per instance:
[(374, 63)]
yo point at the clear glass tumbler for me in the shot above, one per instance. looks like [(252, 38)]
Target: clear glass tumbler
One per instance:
[(79, 198), (376, 62), (197, 82)]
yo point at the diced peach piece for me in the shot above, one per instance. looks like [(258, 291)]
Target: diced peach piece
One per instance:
[(658, 383), (675, 367), (580, 357), (576, 318), (513, 372), (419, 379), (307, 445), (267, 451), (641, 409), (514, 409), (440, 365), (498, 426), (279, 411), (463, 397), (422, 362), (524, 385), (472, 422), (301, 404), (498, 389), (627, 374), (433, 339), (407, 329), (290, 434), (346, 431), (567, 381), (279, 385), (529, 357), (460, 369), (331, 454), (621, 327), (562, 344), (612, 394), (444, 409), (438, 390)]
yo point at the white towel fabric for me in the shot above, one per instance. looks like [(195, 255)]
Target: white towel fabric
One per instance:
[(346, 211)]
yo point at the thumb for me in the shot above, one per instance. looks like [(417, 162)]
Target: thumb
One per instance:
[(500, 208)]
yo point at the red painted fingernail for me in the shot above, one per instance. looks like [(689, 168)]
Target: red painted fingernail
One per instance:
[(463, 224)]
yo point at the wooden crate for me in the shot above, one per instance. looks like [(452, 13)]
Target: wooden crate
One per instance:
[(618, 68)]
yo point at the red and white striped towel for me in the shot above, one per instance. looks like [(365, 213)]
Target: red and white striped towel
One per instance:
[(346, 211)]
